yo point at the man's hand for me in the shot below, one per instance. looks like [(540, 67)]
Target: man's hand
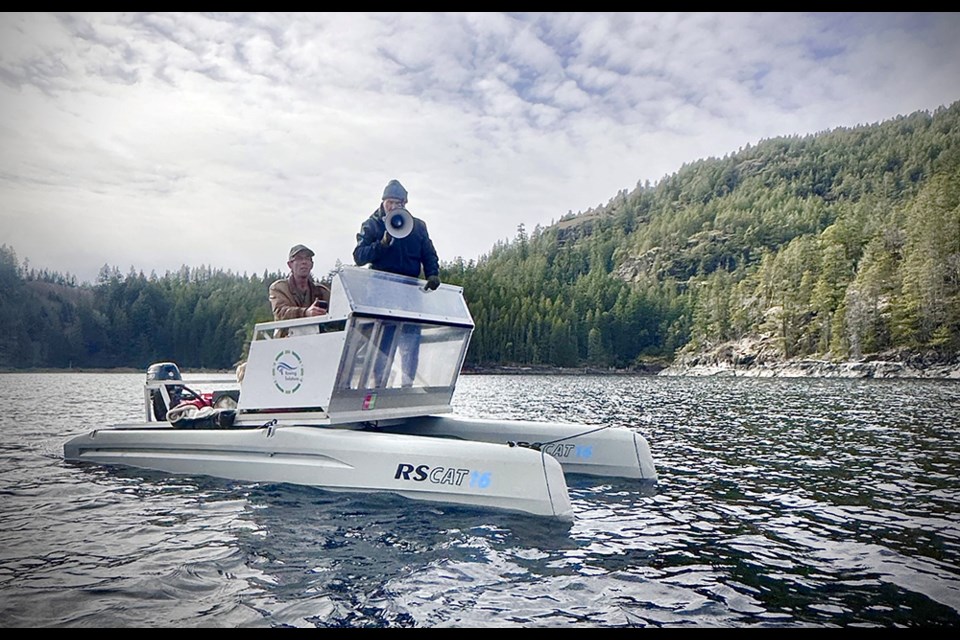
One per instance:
[(433, 282), (386, 239)]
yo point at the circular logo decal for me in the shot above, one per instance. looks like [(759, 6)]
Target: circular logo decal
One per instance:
[(287, 371)]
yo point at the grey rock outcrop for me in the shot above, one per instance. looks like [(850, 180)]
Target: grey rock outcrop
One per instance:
[(755, 358)]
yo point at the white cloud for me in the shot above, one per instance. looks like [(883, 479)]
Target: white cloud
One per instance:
[(157, 140)]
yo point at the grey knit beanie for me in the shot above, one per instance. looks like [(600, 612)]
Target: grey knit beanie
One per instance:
[(395, 191)]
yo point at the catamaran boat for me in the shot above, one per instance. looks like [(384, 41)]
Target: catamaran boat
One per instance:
[(360, 399)]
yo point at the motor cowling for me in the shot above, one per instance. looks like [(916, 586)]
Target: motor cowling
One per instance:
[(164, 371)]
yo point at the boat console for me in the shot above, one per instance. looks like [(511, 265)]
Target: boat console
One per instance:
[(387, 348)]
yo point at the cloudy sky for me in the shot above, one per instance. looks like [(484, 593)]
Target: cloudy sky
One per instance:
[(155, 140)]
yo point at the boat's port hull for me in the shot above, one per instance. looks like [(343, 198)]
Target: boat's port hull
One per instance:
[(478, 474)]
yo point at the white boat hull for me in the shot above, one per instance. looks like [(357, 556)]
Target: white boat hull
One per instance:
[(478, 474)]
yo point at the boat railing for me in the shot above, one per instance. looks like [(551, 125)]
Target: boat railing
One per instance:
[(297, 326)]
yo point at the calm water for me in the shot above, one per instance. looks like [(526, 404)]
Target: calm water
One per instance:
[(781, 503)]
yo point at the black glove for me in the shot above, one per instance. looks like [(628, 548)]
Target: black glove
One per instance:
[(433, 282), (386, 240)]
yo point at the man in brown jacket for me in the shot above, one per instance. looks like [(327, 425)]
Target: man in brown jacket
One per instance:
[(299, 295)]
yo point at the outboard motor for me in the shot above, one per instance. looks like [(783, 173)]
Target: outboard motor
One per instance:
[(164, 371)]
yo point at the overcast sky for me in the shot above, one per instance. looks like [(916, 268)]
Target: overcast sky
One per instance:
[(155, 140)]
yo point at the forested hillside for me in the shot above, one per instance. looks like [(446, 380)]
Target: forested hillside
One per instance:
[(835, 245), (198, 317)]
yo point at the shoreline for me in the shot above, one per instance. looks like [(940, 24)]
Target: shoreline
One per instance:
[(805, 368), (105, 370), (543, 370), (879, 369)]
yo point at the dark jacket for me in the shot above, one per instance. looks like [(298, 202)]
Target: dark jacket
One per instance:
[(404, 255)]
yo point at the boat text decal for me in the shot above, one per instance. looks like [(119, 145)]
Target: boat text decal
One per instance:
[(559, 450), (287, 371), (567, 450), (443, 475)]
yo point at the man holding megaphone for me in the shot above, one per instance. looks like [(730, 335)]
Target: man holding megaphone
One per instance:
[(393, 240)]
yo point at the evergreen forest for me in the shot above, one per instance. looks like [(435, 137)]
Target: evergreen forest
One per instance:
[(839, 245)]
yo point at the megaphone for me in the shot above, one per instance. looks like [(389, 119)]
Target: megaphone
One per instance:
[(399, 223)]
